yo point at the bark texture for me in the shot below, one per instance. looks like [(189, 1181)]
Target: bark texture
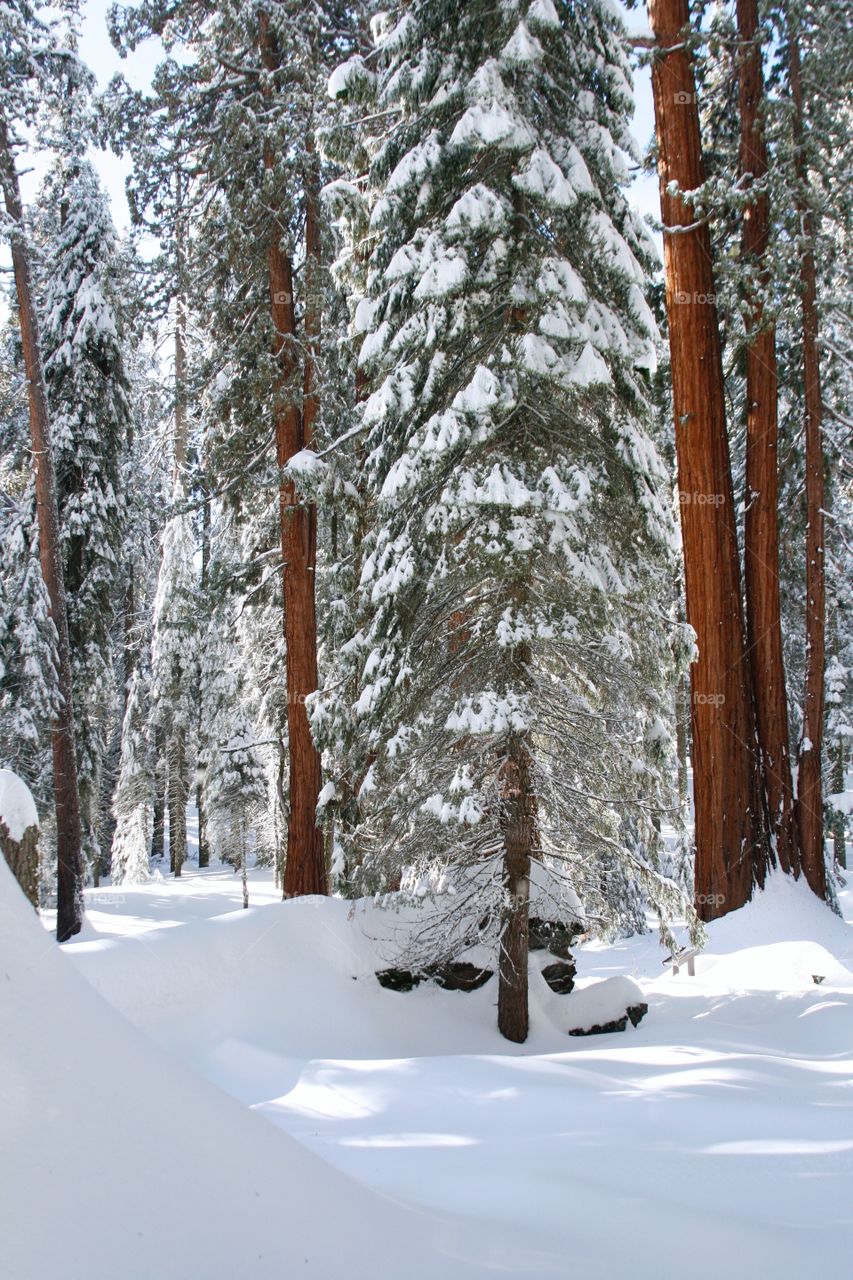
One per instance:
[(23, 859), (761, 521), (731, 848), (305, 867), (519, 824), (809, 791), (69, 836)]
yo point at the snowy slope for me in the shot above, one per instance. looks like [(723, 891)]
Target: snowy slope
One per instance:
[(716, 1138), (115, 1161)]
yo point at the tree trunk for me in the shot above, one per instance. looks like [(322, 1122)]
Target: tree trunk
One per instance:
[(518, 807), (761, 521), (305, 868), (158, 826), (23, 859), (69, 834), (177, 803), (203, 842), (809, 798), (731, 850)]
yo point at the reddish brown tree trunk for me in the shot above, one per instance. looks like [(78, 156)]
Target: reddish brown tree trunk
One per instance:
[(69, 835), (761, 522), (809, 790), (305, 868), (730, 842)]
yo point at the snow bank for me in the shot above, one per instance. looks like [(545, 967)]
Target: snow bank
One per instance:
[(142, 1169), (601, 1002), (17, 807)]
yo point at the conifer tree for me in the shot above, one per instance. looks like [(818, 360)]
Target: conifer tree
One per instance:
[(88, 397), (519, 509)]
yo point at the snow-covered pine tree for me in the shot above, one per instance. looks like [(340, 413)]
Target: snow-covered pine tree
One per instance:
[(90, 413), (174, 672), (521, 520), (132, 807)]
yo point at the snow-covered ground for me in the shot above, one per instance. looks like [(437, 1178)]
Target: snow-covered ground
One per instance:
[(375, 1133)]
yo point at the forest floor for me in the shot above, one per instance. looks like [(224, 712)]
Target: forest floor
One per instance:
[(714, 1139)]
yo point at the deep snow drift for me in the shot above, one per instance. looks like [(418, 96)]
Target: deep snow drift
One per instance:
[(715, 1139)]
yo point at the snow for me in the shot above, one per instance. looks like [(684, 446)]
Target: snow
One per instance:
[(600, 1002), (715, 1138), (17, 807), (540, 176)]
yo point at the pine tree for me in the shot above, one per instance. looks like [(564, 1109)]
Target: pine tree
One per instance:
[(131, 844), (173, 673), (88, 397), (30, 71), (520, 522)]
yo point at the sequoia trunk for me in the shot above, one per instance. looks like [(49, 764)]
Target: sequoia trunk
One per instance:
[(730, 840), (809, 791), (761, 521)]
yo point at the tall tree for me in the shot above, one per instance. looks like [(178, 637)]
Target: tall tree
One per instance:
[(87, 390), (731, 843), (761, 519), (517, 518), (27, 55), (809, 781)]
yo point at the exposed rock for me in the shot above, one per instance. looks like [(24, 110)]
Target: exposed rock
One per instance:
[(398, 979), (553, 936), (460, 976), (560, 976), (454, 976), (634, 1013)]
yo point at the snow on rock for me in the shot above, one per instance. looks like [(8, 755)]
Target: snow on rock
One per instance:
[(601, 1002), (17, 808)]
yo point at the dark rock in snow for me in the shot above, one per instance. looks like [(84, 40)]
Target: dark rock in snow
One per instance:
[(634, 1013), (458, 976), (560, 976), (399, 979), (552, 936)]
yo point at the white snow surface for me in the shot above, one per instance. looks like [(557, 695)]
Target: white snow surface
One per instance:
[(385, 1134), (17, 806)]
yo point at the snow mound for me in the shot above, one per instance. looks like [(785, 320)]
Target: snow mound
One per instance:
[(601, 1002), (17, 807), (183, 1180)]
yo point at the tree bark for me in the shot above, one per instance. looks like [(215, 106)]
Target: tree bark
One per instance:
[(518, 806), (158, 826), (23, 859), (305, 868), (809, 806), (761, 521), (177, 803), (731, 850), (69, 834)]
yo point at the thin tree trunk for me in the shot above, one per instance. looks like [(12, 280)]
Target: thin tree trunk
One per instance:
[(180, 444), (203, 842), (519, 824), (69, 834), (809, 797), (731, 849), (177, 803), (305, 868), (761, 521), (158, 827)]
